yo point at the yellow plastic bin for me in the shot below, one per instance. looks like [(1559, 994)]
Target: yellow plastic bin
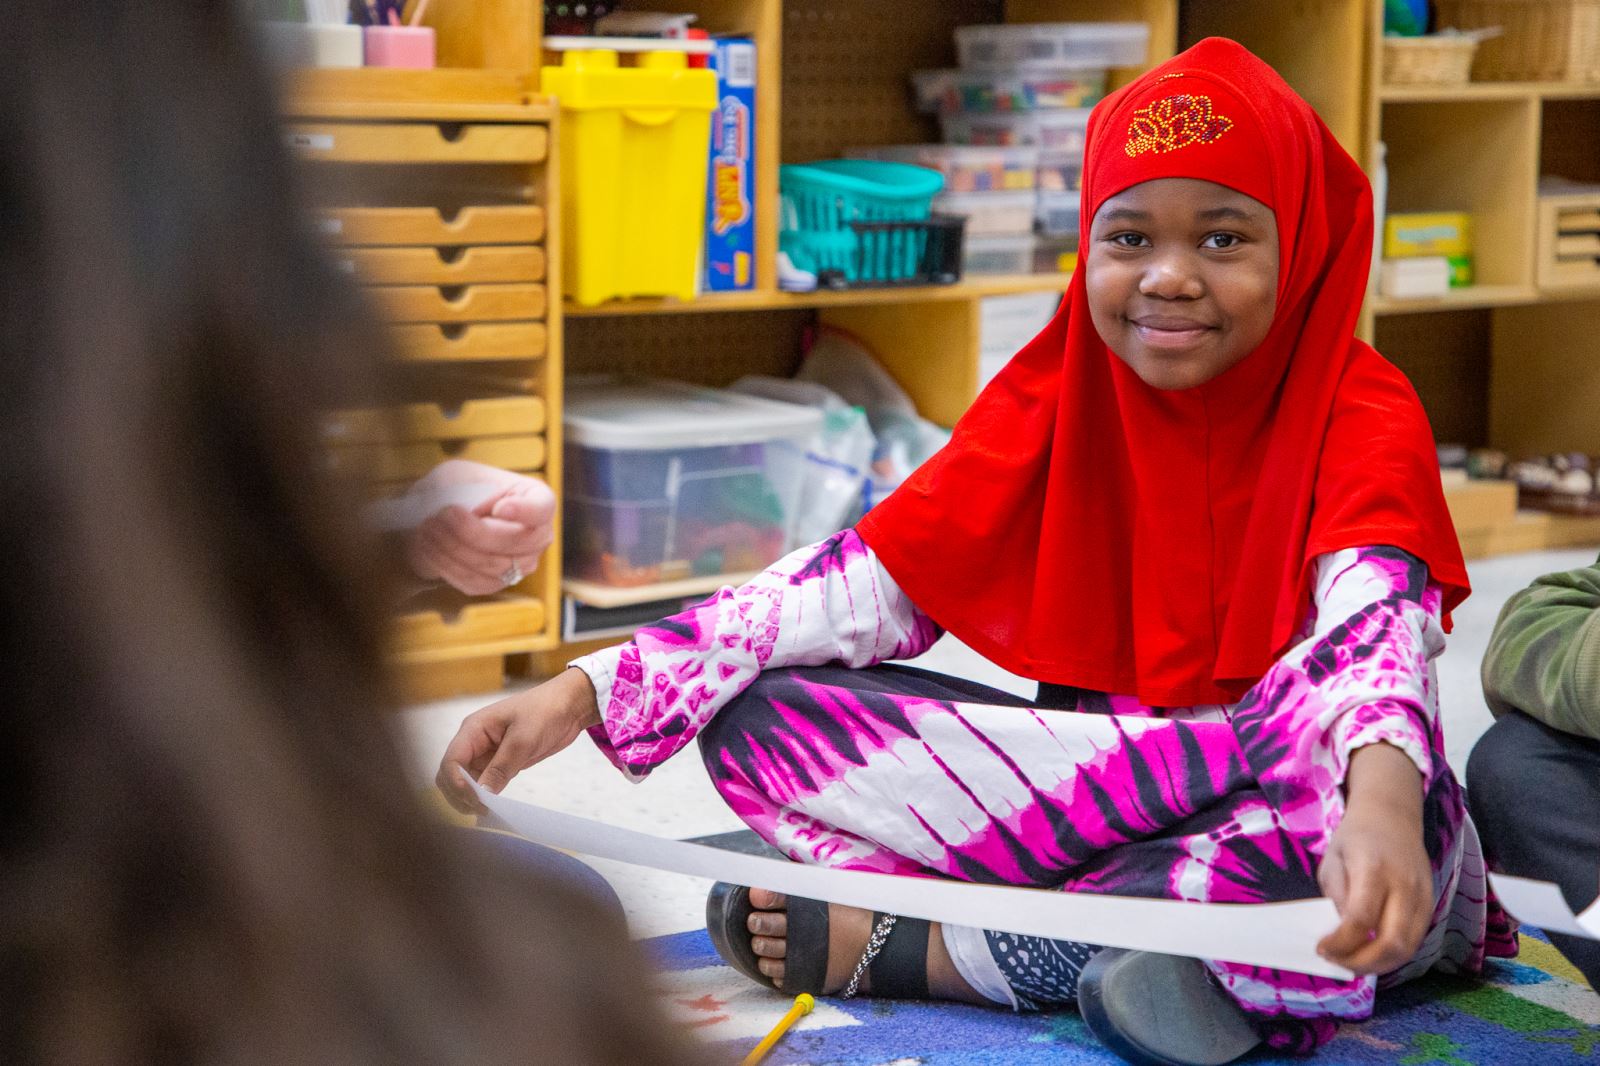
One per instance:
[(634, 148)]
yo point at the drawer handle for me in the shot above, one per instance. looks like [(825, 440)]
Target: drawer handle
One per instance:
[(453, 294), (452, 131), (453, 331), (451, 254)]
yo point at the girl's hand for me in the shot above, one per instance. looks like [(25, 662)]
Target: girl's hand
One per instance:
[(1376, 870), (495, 744)]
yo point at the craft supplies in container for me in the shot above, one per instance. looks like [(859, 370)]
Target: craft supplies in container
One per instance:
[(966, 168), (1055, 255), (1067, 44), (1058, 214), (989, 214), (866, 222), (1057, 132), (635, 141), (1024, 87), (998, 255), (666, 481), (1060, 171)]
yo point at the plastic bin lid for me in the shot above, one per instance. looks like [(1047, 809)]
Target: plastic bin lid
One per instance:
[(649, 414)]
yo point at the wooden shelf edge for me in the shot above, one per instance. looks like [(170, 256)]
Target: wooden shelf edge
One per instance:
[(1474, 296), (967, 289), (443, 94), (1488, 91), (595, 594)]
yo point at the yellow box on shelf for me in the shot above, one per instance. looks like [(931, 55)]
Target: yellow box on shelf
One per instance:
[(634, 148)]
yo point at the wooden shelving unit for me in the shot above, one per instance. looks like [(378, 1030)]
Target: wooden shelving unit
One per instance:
[(437, 190)]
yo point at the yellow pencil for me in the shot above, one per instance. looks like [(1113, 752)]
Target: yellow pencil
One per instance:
[(802, 1007)]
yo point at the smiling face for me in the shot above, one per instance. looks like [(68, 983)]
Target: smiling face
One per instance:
[(1182, 278)]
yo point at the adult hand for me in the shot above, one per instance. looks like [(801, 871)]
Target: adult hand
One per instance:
[(1376, 870), (477, 550), (497, 743)]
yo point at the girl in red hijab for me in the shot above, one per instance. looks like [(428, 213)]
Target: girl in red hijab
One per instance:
[(1208, 522)]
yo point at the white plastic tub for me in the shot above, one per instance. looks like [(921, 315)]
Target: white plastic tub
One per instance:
[(1057, 132), (666, 481), (1021, 87), (989, 214), (966, 168), (998, 255), (1067, 44)]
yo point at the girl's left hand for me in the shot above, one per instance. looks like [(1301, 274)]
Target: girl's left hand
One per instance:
[(1376, 870)]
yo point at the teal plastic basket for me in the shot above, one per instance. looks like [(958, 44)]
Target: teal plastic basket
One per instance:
[(821, 201)]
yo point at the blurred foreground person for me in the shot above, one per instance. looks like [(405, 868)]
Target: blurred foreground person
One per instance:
[(208, 849)]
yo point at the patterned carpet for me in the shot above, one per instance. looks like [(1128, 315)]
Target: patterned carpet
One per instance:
[(1534, 1010)]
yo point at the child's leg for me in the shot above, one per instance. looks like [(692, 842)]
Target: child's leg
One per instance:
[(1535, 796)]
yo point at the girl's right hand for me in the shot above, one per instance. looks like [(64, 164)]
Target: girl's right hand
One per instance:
[(495, 744)]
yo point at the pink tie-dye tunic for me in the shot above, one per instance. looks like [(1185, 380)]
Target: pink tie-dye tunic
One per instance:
[(1099, 793)]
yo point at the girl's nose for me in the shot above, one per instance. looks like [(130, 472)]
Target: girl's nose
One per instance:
[(1170, 277)]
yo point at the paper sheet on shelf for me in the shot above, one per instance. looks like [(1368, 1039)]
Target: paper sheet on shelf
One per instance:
[(1279, 935), (1541, 903)]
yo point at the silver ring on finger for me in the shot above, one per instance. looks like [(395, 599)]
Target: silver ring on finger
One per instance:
[(512, 575)]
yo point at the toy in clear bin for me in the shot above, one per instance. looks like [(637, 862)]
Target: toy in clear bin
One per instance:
[(668, 481)]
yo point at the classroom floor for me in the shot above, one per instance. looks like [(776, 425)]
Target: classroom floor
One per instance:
[(678, 801)]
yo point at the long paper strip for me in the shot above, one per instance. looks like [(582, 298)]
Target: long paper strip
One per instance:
[(1540, 903), (1278, 935)]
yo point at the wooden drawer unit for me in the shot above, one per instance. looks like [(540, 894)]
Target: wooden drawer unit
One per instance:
[(445, 224), (1569, 242), (449, 621), (419, 142), (408, 461), (458, 342), (445, 265), (496, 416), (486, 224), (460, 303)]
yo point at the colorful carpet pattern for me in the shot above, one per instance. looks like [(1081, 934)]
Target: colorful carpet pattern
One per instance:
[(1534, 1010)]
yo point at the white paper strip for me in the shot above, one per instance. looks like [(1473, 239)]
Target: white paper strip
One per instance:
[(1278, 935), (412, 509), (1540, 903)]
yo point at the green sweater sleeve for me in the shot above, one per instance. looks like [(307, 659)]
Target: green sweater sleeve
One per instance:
[(1544, 656)]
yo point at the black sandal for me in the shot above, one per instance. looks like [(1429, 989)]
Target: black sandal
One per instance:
[(898, 965), (1161, 1010)]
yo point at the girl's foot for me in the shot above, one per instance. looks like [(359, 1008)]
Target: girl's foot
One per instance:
[(806, 945), (849, 929)]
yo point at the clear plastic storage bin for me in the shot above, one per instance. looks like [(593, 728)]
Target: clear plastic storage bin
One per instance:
[(1024, 87), (1058, 213), (1067, 44), (966, 168), (1060, 171), (666, 481), (998, 255), (989, 213), (1056, 132)]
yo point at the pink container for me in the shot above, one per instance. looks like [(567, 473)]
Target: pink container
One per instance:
[(400, 46)]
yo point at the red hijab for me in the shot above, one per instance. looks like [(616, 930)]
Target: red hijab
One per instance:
[(1083, 528)]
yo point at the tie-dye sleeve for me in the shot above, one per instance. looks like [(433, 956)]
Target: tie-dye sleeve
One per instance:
[(832, 602), (1364, 675)]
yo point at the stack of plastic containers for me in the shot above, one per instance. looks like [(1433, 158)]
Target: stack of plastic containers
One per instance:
[(1014, 116)]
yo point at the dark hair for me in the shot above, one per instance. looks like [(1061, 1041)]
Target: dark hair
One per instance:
[(208, 851)]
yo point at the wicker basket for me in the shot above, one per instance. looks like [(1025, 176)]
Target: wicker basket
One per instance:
[(1434, 60), (1543, 40)]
